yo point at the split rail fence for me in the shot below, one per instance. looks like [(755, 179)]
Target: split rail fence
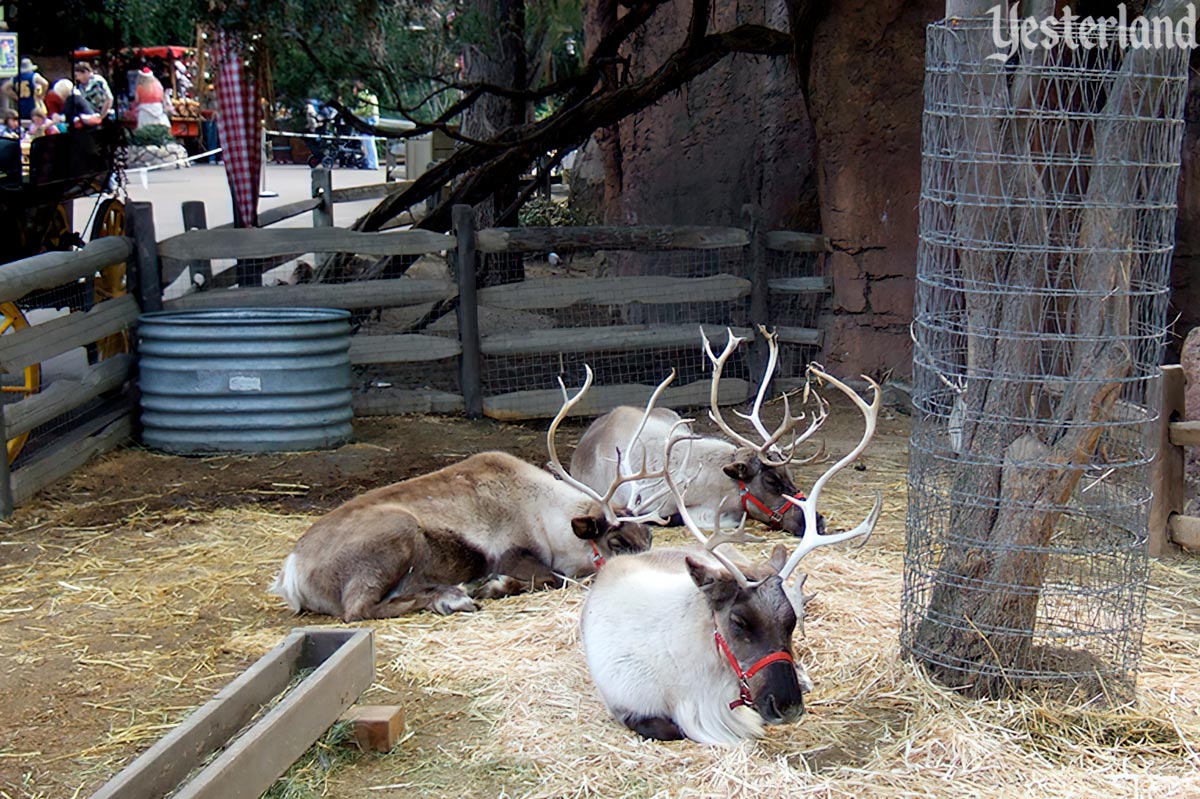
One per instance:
[(445, 342), (1169, 526)]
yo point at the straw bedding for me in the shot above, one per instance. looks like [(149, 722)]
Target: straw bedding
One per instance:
[(111, 634)]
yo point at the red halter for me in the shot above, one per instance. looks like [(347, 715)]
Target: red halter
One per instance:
[(774, 517), (745, 698), (597, 558)]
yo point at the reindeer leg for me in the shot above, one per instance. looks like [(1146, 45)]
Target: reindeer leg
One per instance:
[(516, 573), (658, 728)]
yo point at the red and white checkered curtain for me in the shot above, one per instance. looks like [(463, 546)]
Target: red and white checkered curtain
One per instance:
[(239, 124)]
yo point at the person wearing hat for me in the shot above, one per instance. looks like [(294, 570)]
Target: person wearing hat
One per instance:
[(27, 88), (94, 88)]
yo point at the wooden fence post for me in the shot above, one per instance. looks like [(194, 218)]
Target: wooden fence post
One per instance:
[(1166, 480), (468, 311), (196, 218), (6, 495), (756, 254), (322, 188), (146, 284)]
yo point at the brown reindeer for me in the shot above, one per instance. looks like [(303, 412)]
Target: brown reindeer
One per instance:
[(487, 527)]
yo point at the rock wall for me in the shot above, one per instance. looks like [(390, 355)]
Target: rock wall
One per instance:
[(846, 164)]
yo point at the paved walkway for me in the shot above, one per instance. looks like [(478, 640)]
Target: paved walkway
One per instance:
[(167, 189)]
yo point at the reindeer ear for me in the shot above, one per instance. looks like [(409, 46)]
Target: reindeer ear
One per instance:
[(716, 586), (586, 527), (778, 558), (744, 466)]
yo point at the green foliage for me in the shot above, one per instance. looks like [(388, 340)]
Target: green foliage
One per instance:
[(540, 212), (151, 136)]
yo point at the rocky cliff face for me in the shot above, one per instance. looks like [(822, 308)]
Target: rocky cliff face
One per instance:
[(846, 163)]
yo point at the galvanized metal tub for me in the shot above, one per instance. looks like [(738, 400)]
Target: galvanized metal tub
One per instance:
[(245, 379)]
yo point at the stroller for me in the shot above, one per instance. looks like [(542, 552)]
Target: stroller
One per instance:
[(335, 142)]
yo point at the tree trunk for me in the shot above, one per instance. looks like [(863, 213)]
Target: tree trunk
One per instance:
[(979, 625)]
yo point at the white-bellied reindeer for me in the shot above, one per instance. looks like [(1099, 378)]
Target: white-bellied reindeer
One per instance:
[(486, 527), (728, 478), (684, 643)]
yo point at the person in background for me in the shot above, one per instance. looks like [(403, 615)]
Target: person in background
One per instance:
[(95, 89), (77, 111), (366, 108), (27, 88), (41, 125), (12, 125)]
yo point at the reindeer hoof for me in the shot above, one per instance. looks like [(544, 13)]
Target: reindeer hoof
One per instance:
[(454, 603)]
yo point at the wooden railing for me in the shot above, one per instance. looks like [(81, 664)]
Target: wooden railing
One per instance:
[(471, 346), (104, 328), (1169, 527)]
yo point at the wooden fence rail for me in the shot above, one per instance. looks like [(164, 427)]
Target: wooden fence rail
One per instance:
[(110, 422)]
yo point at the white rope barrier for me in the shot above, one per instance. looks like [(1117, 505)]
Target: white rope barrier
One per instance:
[(178, 162)]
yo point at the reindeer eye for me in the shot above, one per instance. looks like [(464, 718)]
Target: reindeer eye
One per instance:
[(739, 622)]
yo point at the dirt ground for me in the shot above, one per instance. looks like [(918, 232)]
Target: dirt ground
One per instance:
[(133, 591)]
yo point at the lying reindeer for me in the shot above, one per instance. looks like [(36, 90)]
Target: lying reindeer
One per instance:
[(728, 480), (487, 527), (685, 644)]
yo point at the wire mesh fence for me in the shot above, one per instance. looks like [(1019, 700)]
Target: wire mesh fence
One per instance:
[(801, 309), (1047, 214), (626, 340)]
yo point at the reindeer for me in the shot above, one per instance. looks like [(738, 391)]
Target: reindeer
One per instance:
[(684, 643), (730, 478), (486, 527)]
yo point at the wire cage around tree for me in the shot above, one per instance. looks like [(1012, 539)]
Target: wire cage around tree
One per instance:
[(1047, 217)]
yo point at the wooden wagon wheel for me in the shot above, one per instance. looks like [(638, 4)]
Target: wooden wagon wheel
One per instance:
[(110, 283), (30, 377)]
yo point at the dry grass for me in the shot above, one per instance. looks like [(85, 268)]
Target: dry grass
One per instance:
[(132, 625)]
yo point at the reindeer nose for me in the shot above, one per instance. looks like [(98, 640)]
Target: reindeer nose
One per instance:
[(770, 711)]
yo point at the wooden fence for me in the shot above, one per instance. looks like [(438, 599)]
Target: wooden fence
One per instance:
[(104, 328), (1169, 527), (199, 246)]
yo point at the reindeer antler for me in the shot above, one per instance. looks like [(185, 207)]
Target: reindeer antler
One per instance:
[(770, 442), (812, 539), (644, 473), (710, 543)]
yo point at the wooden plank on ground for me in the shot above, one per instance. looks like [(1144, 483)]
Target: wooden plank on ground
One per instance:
[(73, 450), (257, 758), (602, 399), (52, 269), (373, 191), (260, 243), (398, 402), (389, 293), (801, 285), (593, 339), (623, 237), (791, 241), (557, 292), (64, 395), (158, 770), (43, 341), (401, 348)]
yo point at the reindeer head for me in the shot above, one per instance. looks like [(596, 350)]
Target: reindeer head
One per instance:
[(612, 538), (754, 623), (612, 530), (759, 470)]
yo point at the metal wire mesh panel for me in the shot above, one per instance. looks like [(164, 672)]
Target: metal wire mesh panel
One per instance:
[(628, 340), (790, 307), (1047, 215)]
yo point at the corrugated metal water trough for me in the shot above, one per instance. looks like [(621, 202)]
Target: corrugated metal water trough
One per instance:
[(245, 379)]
